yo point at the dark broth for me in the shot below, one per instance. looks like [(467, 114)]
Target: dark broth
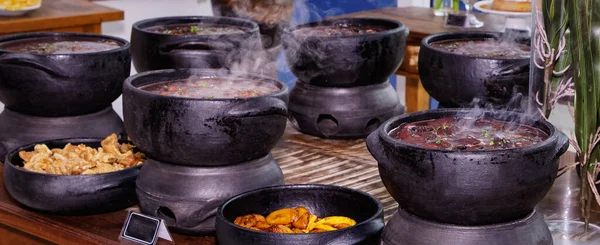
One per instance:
[(52, 45), (484, 48), (340, 30), (467, 134), (198, 29), (209, 88)]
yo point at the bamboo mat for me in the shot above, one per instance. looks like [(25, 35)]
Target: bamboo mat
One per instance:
[(306, 159)]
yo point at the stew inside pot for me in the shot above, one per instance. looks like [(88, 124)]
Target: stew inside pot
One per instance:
[(340, 30), (485, 47), (213, 88), (467, 134), (198, 29), (53, 45)]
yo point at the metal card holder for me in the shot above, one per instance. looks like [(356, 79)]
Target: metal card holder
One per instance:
[(143, 229)]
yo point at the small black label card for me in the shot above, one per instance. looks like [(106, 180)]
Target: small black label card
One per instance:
[(144, 229), (456, 20)]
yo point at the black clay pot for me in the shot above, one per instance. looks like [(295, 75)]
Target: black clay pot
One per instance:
[(406, 229), (345, 61), (271, 25), (62, 84), (455, 80), (322, 200), (155, 51), (202, 132), (187, 198), (467, 187), (342, 112), (69, 194), (17, 129)]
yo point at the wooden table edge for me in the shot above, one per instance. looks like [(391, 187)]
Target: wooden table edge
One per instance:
[(23, 25)]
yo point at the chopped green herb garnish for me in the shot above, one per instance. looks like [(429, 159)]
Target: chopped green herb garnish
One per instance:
[(194, 29), (439, 142)]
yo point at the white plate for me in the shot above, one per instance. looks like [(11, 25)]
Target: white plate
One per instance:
[(484, 6), (4, 12)]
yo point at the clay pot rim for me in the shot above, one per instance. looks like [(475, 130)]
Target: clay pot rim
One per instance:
[(498, 226), (464, 35), (78, 140), (210, 73), (124, 44), (399, 28), (143, 25), (386, 127), (315, 188)]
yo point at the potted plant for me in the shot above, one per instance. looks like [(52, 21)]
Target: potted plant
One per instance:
[(566, 48)]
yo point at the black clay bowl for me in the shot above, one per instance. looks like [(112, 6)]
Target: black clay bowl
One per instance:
[(202, 132), (62, 84), (69, 194), (345, 61), (152, 50), (455, 79), (467, 187), (322, 200)]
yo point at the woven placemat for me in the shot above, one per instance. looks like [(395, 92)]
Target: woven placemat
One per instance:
[(306, 159)]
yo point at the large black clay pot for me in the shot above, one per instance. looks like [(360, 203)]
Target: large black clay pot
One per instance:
[(62, 84), (406, 229), (272, 16), (345, 61), (17, 129), (155, 51), (69, 194), (467, 187), (342, 112), (455, 79), (187, 198), (322, 200), (202, 132)]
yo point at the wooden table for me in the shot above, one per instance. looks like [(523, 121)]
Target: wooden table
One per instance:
[(62, 16), (421, 22), (303, 159)]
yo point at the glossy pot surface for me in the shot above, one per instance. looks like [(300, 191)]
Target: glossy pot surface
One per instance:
[(69, 194), (342, 112), (455, 80), (345, 61), (17, 129), (322, 200), (155, 51), (406, 229), (202, 132), (56, 85), (187, 198), (467, 187)]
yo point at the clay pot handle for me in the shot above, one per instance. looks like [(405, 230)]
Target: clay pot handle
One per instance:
[(33, 61), (193, 46), (562, 144), (259, 107), (375, 146)]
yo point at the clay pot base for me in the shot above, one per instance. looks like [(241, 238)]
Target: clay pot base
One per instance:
[(406, 229), (187, 198), (17, 129), (342, 113)]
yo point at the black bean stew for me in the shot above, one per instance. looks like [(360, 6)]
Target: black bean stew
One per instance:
[(467, 134), (340, 30), (484, 48), (213, 88), (197, 29)]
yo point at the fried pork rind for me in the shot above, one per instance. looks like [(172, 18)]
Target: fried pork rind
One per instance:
[(293, 220), (81, 159)]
